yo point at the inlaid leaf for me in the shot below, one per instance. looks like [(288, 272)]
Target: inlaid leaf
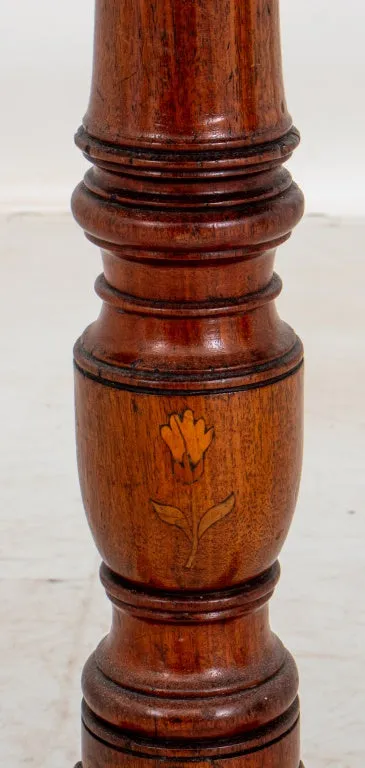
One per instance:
[(214, 514), (172, 516)]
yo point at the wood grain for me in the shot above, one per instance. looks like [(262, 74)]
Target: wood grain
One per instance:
[(189, 386)]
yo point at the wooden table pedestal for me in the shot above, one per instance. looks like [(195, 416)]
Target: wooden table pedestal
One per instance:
[(189, 385)]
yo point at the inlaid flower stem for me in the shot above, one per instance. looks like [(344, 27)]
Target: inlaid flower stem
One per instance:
[(195, 542)]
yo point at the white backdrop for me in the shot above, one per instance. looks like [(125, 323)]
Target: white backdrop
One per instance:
[(45, 64)]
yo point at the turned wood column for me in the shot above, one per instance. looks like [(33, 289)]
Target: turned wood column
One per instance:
[(189, 385)]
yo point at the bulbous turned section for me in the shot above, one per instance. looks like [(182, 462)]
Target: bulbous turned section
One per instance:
[(143, 506), (189, 385)]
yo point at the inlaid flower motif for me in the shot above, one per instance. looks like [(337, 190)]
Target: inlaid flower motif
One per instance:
[(188, 441)]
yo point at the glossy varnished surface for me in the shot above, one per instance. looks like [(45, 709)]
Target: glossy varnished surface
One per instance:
[(253, 461), (187, 73), (189, 384)]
